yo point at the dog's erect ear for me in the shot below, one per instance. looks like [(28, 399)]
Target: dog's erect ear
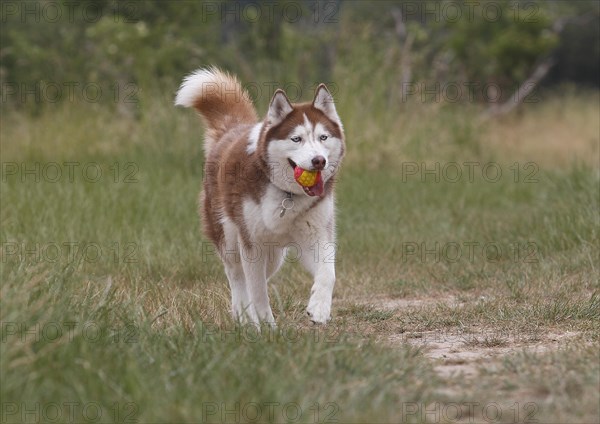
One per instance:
[(324, 102), (279, 108)]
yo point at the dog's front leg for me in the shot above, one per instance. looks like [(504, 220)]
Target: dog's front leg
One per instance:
[(318, 257), (254, 263)]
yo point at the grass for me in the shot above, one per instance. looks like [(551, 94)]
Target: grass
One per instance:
[(184, 374), (109, 298)]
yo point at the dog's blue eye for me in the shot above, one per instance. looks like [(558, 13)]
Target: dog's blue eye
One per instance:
[(323, 137), (296, 139)]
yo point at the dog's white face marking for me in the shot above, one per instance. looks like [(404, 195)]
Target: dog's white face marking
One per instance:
[(253, 138), (307, 123)]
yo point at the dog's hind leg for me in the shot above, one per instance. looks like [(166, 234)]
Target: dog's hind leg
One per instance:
[(254, 263), (241, 305)]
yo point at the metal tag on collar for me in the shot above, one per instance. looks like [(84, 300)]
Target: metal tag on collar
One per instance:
[(286, 203)]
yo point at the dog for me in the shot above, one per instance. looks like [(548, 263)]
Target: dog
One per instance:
[(268, 188)]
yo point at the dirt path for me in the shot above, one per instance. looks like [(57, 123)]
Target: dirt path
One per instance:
[(461, 352)]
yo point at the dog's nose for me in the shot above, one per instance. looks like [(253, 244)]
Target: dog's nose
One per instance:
[(319, 162)]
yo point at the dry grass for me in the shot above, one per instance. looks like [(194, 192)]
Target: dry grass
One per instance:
[(569, 132)]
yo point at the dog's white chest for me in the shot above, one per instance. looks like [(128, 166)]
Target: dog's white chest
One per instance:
[(276, 214)]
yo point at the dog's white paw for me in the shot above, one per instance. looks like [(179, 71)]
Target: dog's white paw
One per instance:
[(319, 310)]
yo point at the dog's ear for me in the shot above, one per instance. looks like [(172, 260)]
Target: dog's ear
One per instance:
[(279, 108), (324, 102)]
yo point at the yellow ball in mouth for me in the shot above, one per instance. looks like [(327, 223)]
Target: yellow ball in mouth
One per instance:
[(306, 178), (310, 181)]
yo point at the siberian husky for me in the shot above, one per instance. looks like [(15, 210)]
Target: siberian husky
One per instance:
[(268, 188)]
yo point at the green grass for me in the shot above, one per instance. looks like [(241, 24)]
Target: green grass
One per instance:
[(180, 374), (146, 332)]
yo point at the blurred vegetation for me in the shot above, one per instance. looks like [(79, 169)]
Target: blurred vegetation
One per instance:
[(145, 46)]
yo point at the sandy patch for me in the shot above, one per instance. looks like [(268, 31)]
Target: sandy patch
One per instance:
[(461, 353)]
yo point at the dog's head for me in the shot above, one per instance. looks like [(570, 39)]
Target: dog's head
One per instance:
[(307, 136)]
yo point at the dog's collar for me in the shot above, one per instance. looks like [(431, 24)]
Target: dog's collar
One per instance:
[(286, 203)]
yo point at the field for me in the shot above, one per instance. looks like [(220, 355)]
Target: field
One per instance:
[(467, 272)]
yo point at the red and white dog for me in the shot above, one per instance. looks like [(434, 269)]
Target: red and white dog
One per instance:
[(268, 187)]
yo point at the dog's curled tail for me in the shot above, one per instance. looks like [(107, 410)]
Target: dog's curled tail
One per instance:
[(220, 100)]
